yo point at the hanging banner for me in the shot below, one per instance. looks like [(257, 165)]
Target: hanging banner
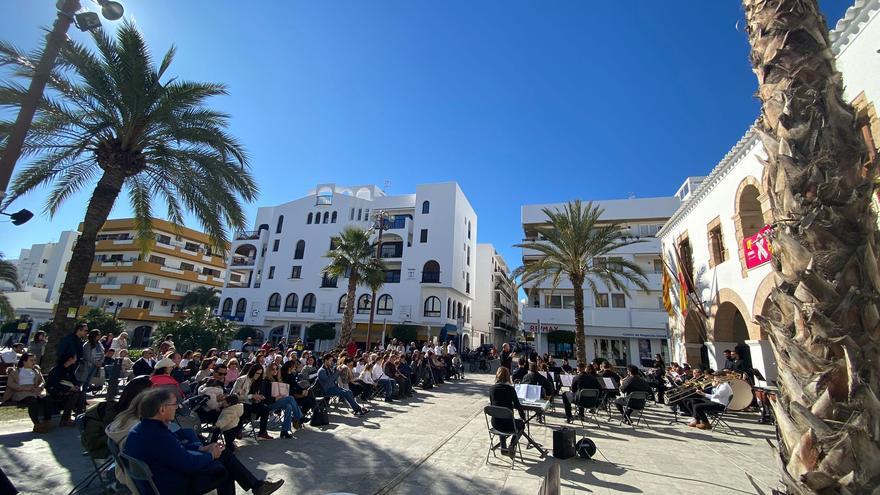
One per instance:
[(757, 248)]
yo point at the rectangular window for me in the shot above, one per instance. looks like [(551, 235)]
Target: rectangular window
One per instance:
[(716, 246), (392, 276), (618, 301), (601, 300), (423, 235), (153, 283), (157, 260), (367, 214), (351, 217), (599, 262), (469, 256), (658, 265), (328, 281), (147, 304), (211, 272), (558, 301), (271, 272), (163, 239), (180, 287), (359, 214), (392, 250), (275, 245), (296, 272), (187, 266), (191, 246)]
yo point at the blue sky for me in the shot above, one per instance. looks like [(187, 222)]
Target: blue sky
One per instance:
[(521, 102)]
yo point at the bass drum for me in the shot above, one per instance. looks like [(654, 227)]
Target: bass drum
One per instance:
[(742, 394)]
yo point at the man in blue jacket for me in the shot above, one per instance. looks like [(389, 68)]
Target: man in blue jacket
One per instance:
[(327, 377), (183, 466)]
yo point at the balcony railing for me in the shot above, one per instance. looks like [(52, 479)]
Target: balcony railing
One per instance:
[(430, 277), (248, 235), (395, 223), (243, 261)]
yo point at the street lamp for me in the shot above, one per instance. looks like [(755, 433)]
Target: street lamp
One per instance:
[(381, 217), (67, 9), (115, 305)]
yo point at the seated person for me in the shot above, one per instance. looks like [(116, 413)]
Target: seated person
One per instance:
[(327, 377), (25, 387), (248, 389), (63, 387), (228, 422), (534, 377), (583, 380), (632, 383), (521, 370), (504, 395), (162, 377), (714, 401), (180, 468), (12, 354), (213, 388)]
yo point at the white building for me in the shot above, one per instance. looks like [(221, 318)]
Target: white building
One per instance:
[(496, 309), (44, 266), (729, 206), (622, 329), (275, 283)]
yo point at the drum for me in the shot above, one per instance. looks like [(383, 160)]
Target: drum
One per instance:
[(742, 395)]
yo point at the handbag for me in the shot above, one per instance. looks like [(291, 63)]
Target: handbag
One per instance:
[(320, 415), (280, 390)]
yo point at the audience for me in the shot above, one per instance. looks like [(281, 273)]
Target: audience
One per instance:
[(25, 386)]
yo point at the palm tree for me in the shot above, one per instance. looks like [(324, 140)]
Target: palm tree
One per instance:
[(575, 238), (353, 256), (825, 248), (116, 117), (202, 296), (8, 276)]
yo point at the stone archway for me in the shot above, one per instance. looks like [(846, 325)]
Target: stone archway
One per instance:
[(721, 321), (762, 304), (694, 340), (751, 213)]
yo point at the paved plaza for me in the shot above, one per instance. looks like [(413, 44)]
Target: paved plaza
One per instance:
[(436, 443)]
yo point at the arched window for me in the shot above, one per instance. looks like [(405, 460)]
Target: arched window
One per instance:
[(432, 306), (326, 216), (309, 218), (426, 207), (458, 313), (291, 303), (300, 250), (263, 226), (279, 224), (308, 303), (385, 305), (449, 308), (227, 307), (363, 306), (431, 272), (333, 217), (343, 301), (274, 302), (240, 308)]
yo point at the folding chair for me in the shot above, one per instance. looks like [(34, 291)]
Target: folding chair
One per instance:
[(98, 470), (717, 418), (635, 401), (589, 399), (502, 414), (138, 472)]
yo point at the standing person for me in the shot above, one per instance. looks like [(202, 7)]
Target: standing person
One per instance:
[(25, 387), (107, 340), (92, 358), (38, 347), (351, 349), (112, 372), (120, 343), (503, 394), (450, 348), (728, 360), (144, 364), (72, 344), (506, 356)]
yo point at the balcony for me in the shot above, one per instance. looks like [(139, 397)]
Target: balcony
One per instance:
[(249, 235), (430, 277), (395, 223), (243, 261)]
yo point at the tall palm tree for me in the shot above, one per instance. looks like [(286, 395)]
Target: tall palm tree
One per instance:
[(353, 255), (576, 236), (115, 117), (8, 276), (202, 296), (825, 247)]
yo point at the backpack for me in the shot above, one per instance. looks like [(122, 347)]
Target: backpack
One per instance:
[(320, 414)]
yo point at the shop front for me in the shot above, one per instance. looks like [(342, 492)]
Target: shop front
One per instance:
[(620, 346)]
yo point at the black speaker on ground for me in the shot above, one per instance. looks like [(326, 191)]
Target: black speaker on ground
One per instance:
[(563, 443)]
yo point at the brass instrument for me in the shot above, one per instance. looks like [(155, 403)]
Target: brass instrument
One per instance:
[(688, 389)]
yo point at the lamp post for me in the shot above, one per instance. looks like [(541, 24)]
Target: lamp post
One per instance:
[(66, 16), (115, 305), (381, 216)]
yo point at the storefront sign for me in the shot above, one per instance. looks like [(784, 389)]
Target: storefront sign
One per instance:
[(543, 329), (757, 249)]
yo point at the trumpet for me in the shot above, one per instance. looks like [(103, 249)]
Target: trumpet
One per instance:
[(688, 389)]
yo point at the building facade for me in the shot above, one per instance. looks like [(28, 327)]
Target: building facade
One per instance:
[(717, 228), (44, 266), (496, 309), (624, 329), (275, 280), (149, 286)]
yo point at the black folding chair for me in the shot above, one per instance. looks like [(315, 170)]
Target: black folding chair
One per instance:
[(139, 472), (98, 469), (590, 400), (499, 413), (717, 418), (635, 402)]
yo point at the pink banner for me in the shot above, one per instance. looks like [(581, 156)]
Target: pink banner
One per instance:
[(757, 249)]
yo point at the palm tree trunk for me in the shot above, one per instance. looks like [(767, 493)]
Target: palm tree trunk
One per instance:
[(580, 339), (83, 256), (825, 246), (348, 314)]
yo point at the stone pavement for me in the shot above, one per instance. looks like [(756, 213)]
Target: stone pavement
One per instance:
[(436, 443)]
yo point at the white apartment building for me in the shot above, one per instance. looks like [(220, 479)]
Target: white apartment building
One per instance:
[(496, 308), (622, 329), (275, 283), (44, 266), (728, 208)]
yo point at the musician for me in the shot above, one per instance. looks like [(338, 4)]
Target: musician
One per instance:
[(698, 375), (504, 395), (728, 360), (632, 383), (739, 365), (582, 380), (533, 377), (608, 372), (521, 370), (716, 400), (686, 372)]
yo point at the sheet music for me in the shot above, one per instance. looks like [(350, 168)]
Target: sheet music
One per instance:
[(528, 392), (543, 373), (566, 380), (608, 383)]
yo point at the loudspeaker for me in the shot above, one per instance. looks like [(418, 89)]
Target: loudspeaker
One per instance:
[(563, 443), (586, 448)]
